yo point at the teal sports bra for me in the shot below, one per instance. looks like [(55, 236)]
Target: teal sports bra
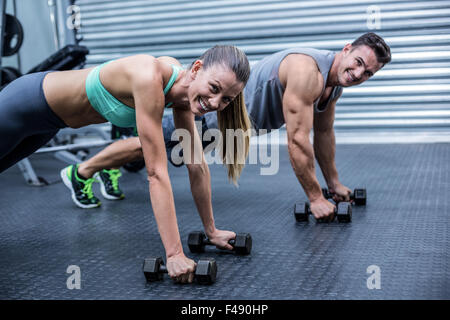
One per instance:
[(110, 107)]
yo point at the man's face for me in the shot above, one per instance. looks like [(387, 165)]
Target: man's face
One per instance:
[(358, 64)]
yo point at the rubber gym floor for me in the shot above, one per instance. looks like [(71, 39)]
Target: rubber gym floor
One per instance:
[(404, 230)]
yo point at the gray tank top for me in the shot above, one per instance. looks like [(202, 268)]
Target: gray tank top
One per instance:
[(264, 93)]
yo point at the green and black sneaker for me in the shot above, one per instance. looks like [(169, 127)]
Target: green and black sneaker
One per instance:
[(109, 184), (81, 189)]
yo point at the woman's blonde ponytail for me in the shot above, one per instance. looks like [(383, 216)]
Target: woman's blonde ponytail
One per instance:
[(233, 120), (235, 128)]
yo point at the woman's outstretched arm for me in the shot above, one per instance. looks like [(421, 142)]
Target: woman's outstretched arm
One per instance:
[(149, 103)]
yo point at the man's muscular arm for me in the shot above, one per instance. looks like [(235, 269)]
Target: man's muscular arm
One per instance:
[(325, 150), (325, 144), (303, 84), (301, 90)]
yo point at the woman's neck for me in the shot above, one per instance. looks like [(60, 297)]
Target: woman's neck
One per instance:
[(178, 94)]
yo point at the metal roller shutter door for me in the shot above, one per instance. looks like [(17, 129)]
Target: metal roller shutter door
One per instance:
[(412, 94)]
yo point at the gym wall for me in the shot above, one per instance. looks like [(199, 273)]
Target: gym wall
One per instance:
[(39, 37), (411, 93)]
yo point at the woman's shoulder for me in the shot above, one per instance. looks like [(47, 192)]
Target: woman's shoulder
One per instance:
[(168, 60), (140, 67), (140, 60), (142, 63)]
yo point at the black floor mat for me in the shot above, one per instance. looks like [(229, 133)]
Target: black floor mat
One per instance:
[(403, 230)]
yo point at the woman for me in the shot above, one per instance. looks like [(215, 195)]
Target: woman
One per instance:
[(134, 91)]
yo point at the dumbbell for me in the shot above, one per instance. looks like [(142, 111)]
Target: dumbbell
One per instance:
[(343, 212), (242, 244), (359, 196), (205, 272)]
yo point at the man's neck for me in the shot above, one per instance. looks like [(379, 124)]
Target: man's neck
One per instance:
[(332, 80)]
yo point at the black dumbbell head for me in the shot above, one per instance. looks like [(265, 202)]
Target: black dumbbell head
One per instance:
[(206, 271), (326, 194), (360, 196), (152, 268), (344, 212), (243, 243), (196, 241), (301, 211)]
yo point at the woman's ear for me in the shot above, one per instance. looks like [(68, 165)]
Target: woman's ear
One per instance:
[(196, 66)]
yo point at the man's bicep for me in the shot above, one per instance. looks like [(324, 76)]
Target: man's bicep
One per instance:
[(302, 88), (298, 113)]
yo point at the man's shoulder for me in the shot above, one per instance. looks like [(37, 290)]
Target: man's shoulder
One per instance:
[(300, 65), (301, 74), (300, 58)]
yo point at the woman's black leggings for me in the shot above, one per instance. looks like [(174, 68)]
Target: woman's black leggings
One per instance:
[(26, 120)]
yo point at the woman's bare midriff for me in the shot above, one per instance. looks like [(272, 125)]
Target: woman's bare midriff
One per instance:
[(65, 91), (66, 95)]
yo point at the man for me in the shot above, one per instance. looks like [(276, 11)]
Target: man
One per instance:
[(298, 87)]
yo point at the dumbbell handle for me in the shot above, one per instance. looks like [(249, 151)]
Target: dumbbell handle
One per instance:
[(163, 268), (206, 241), (329, 195), (335, 209), (335, 212)]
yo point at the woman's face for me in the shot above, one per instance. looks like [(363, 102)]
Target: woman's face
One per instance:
[(212, 89)]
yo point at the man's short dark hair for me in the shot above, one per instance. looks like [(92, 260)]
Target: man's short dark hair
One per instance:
[(377, 44)]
